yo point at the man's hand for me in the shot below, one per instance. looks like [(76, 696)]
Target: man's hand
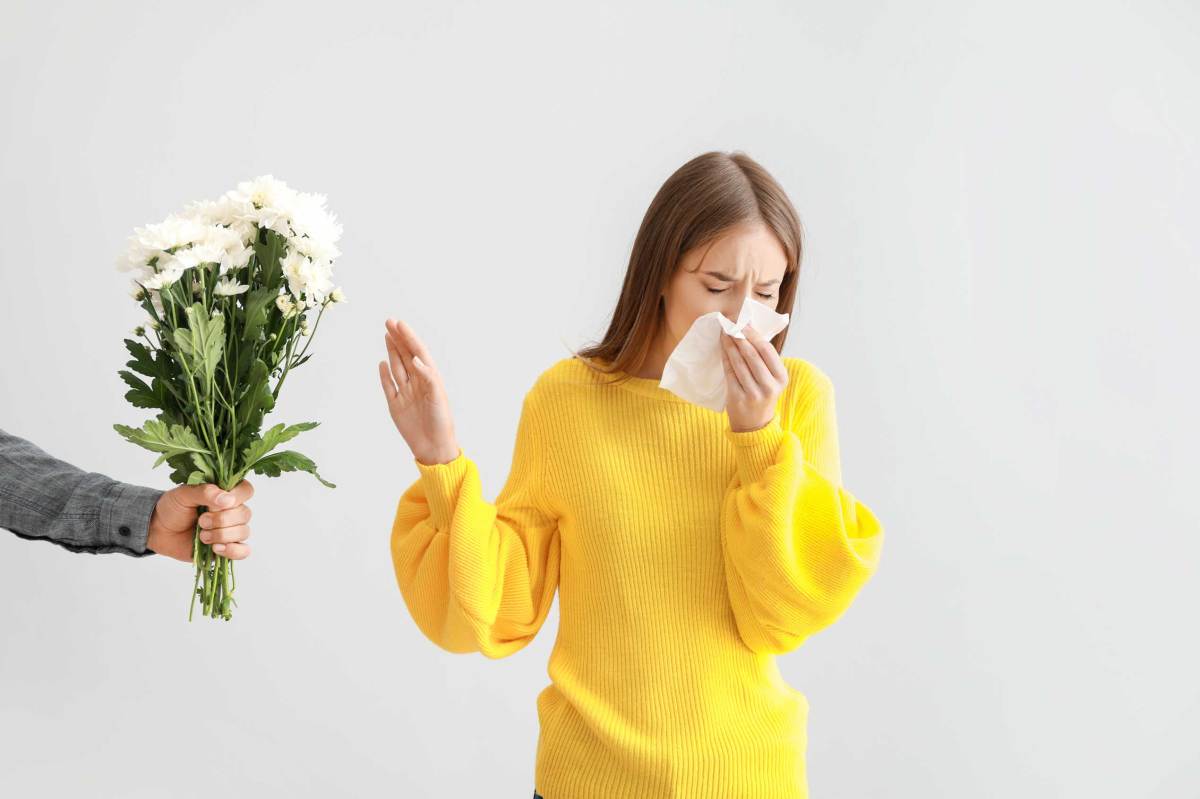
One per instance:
[(225, 523)]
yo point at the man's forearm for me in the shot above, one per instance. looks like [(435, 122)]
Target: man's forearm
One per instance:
[(44, 498)]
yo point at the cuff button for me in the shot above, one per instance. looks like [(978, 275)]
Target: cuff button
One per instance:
[(123, 529)]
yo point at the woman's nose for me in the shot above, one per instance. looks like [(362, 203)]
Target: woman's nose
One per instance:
[(734, 302)]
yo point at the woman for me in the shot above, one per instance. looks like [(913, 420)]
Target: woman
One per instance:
[(688, 547)]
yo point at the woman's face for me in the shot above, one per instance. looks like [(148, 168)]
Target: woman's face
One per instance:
[(745, 261)]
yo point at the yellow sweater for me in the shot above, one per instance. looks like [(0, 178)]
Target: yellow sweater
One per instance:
[(685, 556)]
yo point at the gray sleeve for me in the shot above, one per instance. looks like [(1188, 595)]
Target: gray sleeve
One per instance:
[(43, 498)]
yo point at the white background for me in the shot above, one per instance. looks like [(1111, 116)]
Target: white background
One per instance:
[(1000, 201)]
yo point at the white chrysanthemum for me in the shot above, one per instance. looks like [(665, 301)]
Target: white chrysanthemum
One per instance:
[(141, 273), (265, 202), (232, 213), (161, 280), (236, 258), (308, 280), (311, 219), (136, 256), (224, 246), (284, 303), (337, 295), (315, 248), (174, 231), (245, 229), (222, 237), (153, 241), (208, 212), (227, 287), (264, 191), (204, 252)]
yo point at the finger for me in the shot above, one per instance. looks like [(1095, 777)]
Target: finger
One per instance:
[(396, 360), (206, 494), (416, 355), (768, 353), (385, 379), (232, 551), (412, 343), (225, 518), (738, 361), (242, 492), (731, 379), (754, 362), (226, 535)]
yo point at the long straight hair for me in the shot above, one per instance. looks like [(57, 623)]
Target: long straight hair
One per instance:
[(700, 201)]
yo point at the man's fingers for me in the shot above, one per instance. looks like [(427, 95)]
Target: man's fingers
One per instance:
[(241, 494), (211, 496), (207, 494), (226, 535), (225, 518), (232, 551)]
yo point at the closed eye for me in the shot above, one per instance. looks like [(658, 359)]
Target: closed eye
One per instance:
[(759, 293)]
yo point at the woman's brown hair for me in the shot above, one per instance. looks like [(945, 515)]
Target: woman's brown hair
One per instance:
[(701, 200)]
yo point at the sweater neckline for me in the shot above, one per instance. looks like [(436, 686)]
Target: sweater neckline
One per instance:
[(646, 386)]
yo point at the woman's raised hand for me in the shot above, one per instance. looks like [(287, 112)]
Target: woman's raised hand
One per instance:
[(416, 397), (755, 376)]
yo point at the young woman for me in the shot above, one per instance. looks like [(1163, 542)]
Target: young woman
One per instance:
[(688, 548)]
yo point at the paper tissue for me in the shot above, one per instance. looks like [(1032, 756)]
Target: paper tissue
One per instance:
[(695, 371)]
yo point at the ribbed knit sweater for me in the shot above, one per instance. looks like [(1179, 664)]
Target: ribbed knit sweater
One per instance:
[(685, 555)]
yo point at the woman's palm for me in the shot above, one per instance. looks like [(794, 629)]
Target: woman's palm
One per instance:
[(416, 396)]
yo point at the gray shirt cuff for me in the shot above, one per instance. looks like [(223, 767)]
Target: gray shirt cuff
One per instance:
[(124, 519)]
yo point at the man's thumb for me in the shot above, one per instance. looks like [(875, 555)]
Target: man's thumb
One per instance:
[(206, 494)]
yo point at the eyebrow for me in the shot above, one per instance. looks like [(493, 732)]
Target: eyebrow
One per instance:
[(723, 276)]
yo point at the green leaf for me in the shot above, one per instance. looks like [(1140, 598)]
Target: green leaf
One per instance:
[(288, 461), (178, 476), (201, 343), (143, 361), (270, 440), (205, 466), (140, 395), (156, 436), (267, 251), (257, 398), (258, 305), (197, 478)]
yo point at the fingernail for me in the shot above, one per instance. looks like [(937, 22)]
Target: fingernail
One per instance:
[(224, 499), (218, 547)]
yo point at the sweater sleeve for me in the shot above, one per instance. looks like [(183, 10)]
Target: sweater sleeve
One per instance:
[(478, 576), (797, 545)]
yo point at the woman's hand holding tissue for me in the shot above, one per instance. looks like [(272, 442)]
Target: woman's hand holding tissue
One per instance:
[(416, 397), (755, 376)]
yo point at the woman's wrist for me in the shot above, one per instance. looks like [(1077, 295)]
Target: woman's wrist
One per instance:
[(437, 457)]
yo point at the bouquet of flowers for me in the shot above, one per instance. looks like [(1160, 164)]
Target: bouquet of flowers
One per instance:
[(229, 286)]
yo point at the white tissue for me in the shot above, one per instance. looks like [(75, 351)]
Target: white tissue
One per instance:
[(695, 370)]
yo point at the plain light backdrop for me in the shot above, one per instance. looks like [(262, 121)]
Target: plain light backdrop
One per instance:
[(1000, 203)]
